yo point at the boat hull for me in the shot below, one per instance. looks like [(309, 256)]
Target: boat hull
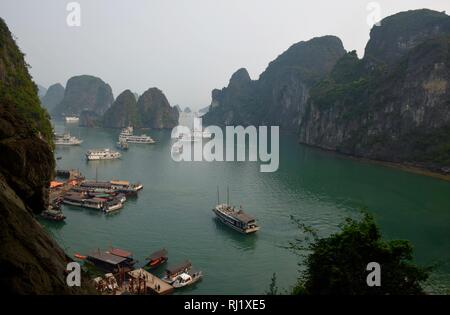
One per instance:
[(225, 221)]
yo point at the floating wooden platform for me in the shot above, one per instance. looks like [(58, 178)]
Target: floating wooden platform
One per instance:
[(153, 283)]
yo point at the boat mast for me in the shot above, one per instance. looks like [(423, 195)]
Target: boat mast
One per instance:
[(218, 200)]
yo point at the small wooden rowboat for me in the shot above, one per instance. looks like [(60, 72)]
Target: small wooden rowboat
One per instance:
[(156, 259), (79, 256)]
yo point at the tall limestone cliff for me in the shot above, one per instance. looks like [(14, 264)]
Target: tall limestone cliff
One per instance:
[(123, 112), (82, 93), (30, 261), (155, 111), (53, 96), (280, 94), (394, 104)]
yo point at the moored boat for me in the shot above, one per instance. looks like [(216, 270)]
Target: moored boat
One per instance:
[(123, 253), (79, 256), (173, 272), (186, 279), (236, 219), (108, 262), (53, 215), (156, 259)]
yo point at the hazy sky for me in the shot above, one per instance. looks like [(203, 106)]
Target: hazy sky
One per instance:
[(184, 47)]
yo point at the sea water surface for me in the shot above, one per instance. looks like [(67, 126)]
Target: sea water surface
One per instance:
[(320, 189)]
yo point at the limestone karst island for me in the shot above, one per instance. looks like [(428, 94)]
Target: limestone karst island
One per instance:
[(237, 150)]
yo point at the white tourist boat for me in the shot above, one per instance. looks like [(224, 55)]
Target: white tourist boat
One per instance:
[(172, 272), (186, 279), (202, 134), (66, 139), (127, 135), (72, 119), (102, 154), (188, 138)]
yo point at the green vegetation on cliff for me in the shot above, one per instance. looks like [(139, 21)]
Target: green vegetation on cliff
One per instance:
[(30, 260), (123, 112), (84, 92), (155, 111), (392, 105), (52, 97), (16, 87)]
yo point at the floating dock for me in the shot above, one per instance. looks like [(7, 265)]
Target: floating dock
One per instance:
[(153, 284)]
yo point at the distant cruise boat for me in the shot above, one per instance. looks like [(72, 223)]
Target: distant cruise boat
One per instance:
[(199, 133), (72, 119), (102, 154), (66, 139), (127, 136)]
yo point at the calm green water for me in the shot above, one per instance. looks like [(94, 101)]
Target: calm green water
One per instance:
[(321, 189)]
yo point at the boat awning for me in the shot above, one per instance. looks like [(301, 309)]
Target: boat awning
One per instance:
[(55, 184), (243, 217), (158, 254), (107, 258), (95, 184), (120, 182), (178, 268), (120, 252)]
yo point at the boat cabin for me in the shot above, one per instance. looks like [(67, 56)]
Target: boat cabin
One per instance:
[(179, 268), (107, 261), (124, 254)]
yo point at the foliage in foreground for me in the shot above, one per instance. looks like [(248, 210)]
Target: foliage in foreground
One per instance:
[(337, 264)]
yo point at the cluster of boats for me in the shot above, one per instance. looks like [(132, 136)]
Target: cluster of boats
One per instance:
[(103, 196), (118, 260), (126, 136)]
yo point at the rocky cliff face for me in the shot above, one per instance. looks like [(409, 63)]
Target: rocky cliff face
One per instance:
[(52, 97), (400, 33), (84, 92), (279, 96), (30, 261), (90, 119), (394, 104), (155, 111), (123, 112)]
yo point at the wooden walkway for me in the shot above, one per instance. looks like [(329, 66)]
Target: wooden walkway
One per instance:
[(153, 283)]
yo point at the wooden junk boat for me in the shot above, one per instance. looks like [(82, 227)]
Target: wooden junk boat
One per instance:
[(156, 259), (113, 260), (53, 215)]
